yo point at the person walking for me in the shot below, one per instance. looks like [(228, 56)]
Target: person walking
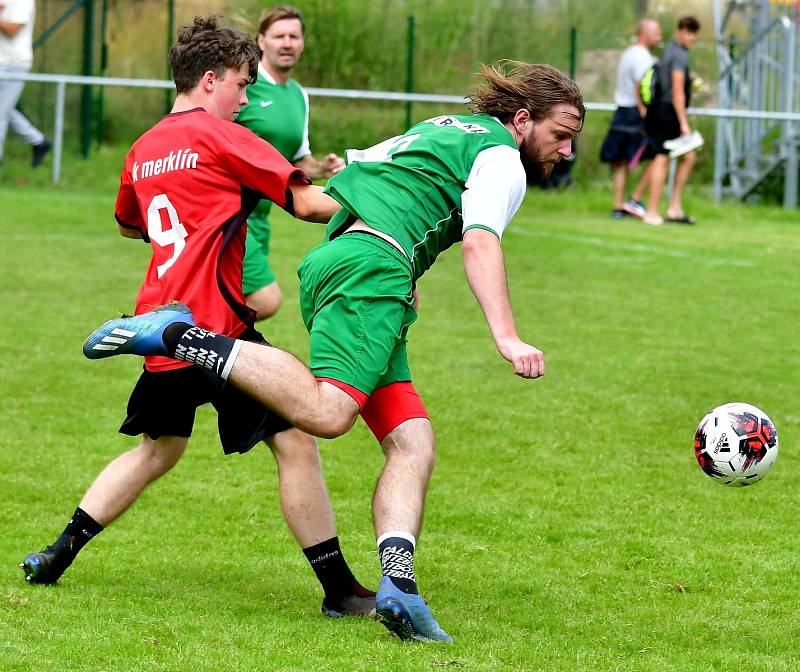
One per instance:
[(625, 137), (16, 57), (667, 126)]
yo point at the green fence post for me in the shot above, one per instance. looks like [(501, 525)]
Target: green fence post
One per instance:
[(409, 67), (88, 66), (170, 38), (101, 117), (573, 51)]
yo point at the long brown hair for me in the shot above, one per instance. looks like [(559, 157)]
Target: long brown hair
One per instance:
[(514, 85)]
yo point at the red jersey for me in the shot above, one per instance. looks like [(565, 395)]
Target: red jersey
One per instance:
[(189, 184)]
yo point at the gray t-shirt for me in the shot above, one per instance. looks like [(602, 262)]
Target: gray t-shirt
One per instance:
[(675, 58), (632, 65)]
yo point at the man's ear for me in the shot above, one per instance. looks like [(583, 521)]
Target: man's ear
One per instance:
[(208, 80), (522, 120)]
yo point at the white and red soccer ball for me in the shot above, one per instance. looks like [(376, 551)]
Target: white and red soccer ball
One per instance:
[(736, 444)]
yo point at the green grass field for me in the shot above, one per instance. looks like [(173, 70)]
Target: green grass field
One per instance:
[(567, 527)]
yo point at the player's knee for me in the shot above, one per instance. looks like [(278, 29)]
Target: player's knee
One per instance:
[(334, 426), (296, 448), (414, 442), (160, 455), (423, 456)]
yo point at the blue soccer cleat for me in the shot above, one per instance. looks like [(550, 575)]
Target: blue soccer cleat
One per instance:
[(41, 567), (138, 335), (407, 616)]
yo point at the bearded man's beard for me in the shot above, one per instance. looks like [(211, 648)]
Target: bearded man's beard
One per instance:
[(536, 169)]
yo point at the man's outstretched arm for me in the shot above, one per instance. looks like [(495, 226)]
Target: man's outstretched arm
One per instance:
[(311, 204), (485, 270)]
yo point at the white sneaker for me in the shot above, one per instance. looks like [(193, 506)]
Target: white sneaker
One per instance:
[(684, 144), (634, 208)]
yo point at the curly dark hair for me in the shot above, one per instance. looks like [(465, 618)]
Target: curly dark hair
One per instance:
[(203, 45)]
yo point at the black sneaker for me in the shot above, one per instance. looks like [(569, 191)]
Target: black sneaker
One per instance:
[(40, 151), (350, 605), (42, 567)]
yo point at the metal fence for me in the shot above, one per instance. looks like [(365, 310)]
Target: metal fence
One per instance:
[(757, 50), (790, 119)]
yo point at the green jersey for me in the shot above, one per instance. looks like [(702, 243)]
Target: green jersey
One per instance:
[(427, 187), (279, 114)]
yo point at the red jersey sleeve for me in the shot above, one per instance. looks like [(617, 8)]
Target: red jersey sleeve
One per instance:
[(126, 210), (260, 167)]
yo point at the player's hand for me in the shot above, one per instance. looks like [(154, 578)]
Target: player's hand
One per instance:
[(527, 360), (332, 164), (685, 130), (415, 295)]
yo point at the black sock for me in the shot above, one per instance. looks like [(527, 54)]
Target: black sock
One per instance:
[(397, 562), (209, 351), (332, 571), (80, 530)]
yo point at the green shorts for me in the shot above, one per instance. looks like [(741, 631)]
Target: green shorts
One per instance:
[(356, 302), (256, 272)]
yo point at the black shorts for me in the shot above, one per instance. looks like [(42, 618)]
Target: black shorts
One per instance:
[(164, 404), (625, 136), (661, 125)]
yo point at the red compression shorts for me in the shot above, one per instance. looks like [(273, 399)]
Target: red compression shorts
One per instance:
[(387, 407)]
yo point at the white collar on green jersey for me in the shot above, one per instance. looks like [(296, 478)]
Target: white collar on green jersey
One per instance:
[(263, 72)]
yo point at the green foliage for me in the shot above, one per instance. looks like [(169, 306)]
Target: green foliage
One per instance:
[(568, 527), (451, 39), (362, 44)]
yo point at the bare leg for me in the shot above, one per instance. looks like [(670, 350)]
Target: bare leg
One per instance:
[(400, 494), (643, 184), (397, 509), (619, 175), (283, 383), (124, 479), (308, 513), (682, 174), (304, 496), (265, 301), (658, 175), (112, 492)]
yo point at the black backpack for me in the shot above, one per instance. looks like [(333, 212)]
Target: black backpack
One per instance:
[(649, 86)]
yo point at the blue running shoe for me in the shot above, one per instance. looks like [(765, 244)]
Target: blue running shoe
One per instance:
[(138, 335), (407, 616)]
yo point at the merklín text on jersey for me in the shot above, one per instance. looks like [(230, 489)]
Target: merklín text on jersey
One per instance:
[(427, 187)]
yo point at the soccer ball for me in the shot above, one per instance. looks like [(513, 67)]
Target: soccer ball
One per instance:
[(736, 444)]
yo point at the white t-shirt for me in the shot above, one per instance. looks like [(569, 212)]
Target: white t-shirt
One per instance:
[(18, 50), (632, 66)]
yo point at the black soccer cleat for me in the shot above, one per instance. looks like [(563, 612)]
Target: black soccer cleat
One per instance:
[(42, 567), (350, 605)]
